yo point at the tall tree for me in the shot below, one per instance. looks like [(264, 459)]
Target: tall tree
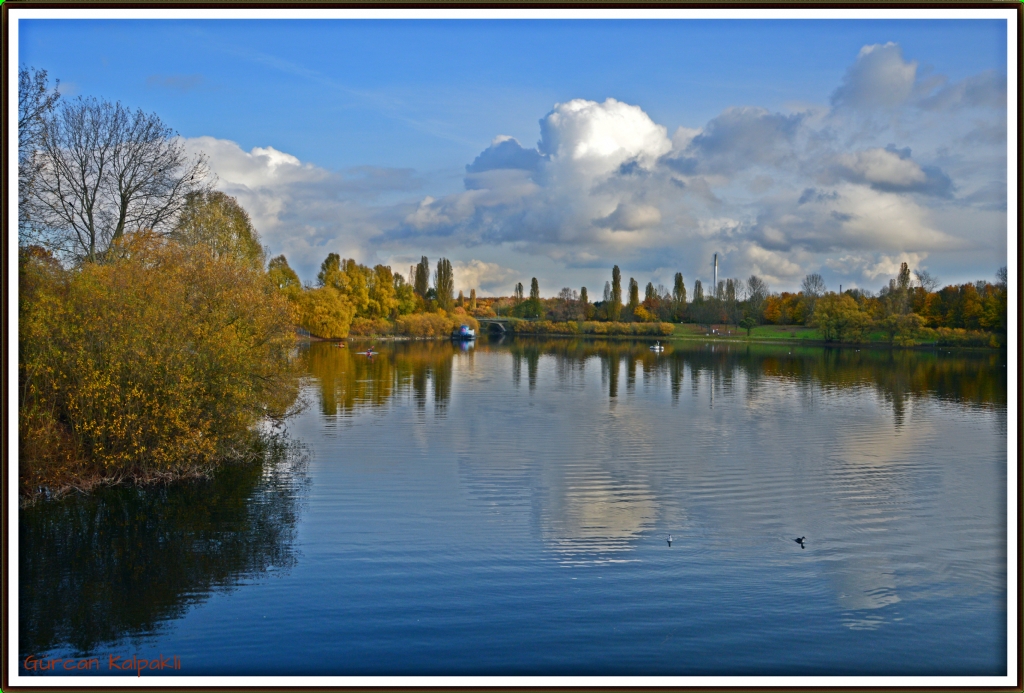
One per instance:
[(106, 171), (217, 221), (757, 293), (444, 284), (381, 293), (284, 277), (534, 290), (330, 271), (634, 297), (422, 281), (36, 101), (518, 292), (649, 292), (679, 290), (698, 291), (615, 307), (472, 299), (584, 299)]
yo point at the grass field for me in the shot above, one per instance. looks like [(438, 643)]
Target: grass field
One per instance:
[(787, 333)]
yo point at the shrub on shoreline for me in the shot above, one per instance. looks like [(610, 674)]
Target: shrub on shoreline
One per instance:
[(155, 365)]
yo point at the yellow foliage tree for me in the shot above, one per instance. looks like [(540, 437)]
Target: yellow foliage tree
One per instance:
[(839, 318), (325, 312), (154, 365)]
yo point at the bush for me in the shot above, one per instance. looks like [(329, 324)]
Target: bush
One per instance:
[(432, 325), (155, 365), (959, 337), (369, 327)]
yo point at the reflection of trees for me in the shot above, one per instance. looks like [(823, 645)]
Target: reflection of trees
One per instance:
[(95, 569), (349, 381), (970, 378)]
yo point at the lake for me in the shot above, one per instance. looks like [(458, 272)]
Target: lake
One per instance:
[(505, 508)]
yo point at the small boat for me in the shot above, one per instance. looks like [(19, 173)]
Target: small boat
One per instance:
[(341, 345), (368, 352), (465, 333), (657, 347)]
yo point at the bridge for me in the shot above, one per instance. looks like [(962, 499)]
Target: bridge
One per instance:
[(501, 325)]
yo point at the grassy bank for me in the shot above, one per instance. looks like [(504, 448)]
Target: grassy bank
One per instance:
[(810, 336)]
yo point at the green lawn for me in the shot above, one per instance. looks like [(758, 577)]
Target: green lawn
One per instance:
[(763, 332)]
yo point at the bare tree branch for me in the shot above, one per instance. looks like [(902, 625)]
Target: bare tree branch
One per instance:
[(107, 171)]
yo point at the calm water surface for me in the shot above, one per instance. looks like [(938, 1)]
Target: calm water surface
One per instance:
[(505, 509)]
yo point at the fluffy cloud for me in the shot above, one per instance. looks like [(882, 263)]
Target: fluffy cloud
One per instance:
[(593, 139), (737, 139), (480, 275), (880, 78), (892, 170), (505, 153), (628, 217), (827, 188), (870, 267)]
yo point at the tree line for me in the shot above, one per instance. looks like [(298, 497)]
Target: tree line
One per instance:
[(906, 310)]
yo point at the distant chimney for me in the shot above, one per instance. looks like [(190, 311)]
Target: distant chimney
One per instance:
[(714, 287)]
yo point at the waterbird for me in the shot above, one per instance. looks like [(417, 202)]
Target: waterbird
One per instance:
[(670, 540), (800, 540)]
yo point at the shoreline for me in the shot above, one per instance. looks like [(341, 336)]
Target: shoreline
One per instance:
[(733, 340)]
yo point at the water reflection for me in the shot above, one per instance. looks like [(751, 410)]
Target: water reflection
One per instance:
[(593, 517), (968, 378), (116, 564), (349, 381)]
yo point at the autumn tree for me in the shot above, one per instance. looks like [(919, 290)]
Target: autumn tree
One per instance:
[(217, 221), (283, 277), (839, 318), (382, 297), (634, 295), (896, 317), (444, 284), (185, 353), (422, 280), (405, 295), (534, 290), (326, 312), (472, 299)]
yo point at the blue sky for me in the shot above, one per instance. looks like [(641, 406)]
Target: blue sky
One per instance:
[(785, 145)]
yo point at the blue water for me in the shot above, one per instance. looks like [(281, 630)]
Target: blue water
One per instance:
[(505, 511)]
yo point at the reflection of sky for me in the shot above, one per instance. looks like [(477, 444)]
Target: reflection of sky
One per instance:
[(619, 445)]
